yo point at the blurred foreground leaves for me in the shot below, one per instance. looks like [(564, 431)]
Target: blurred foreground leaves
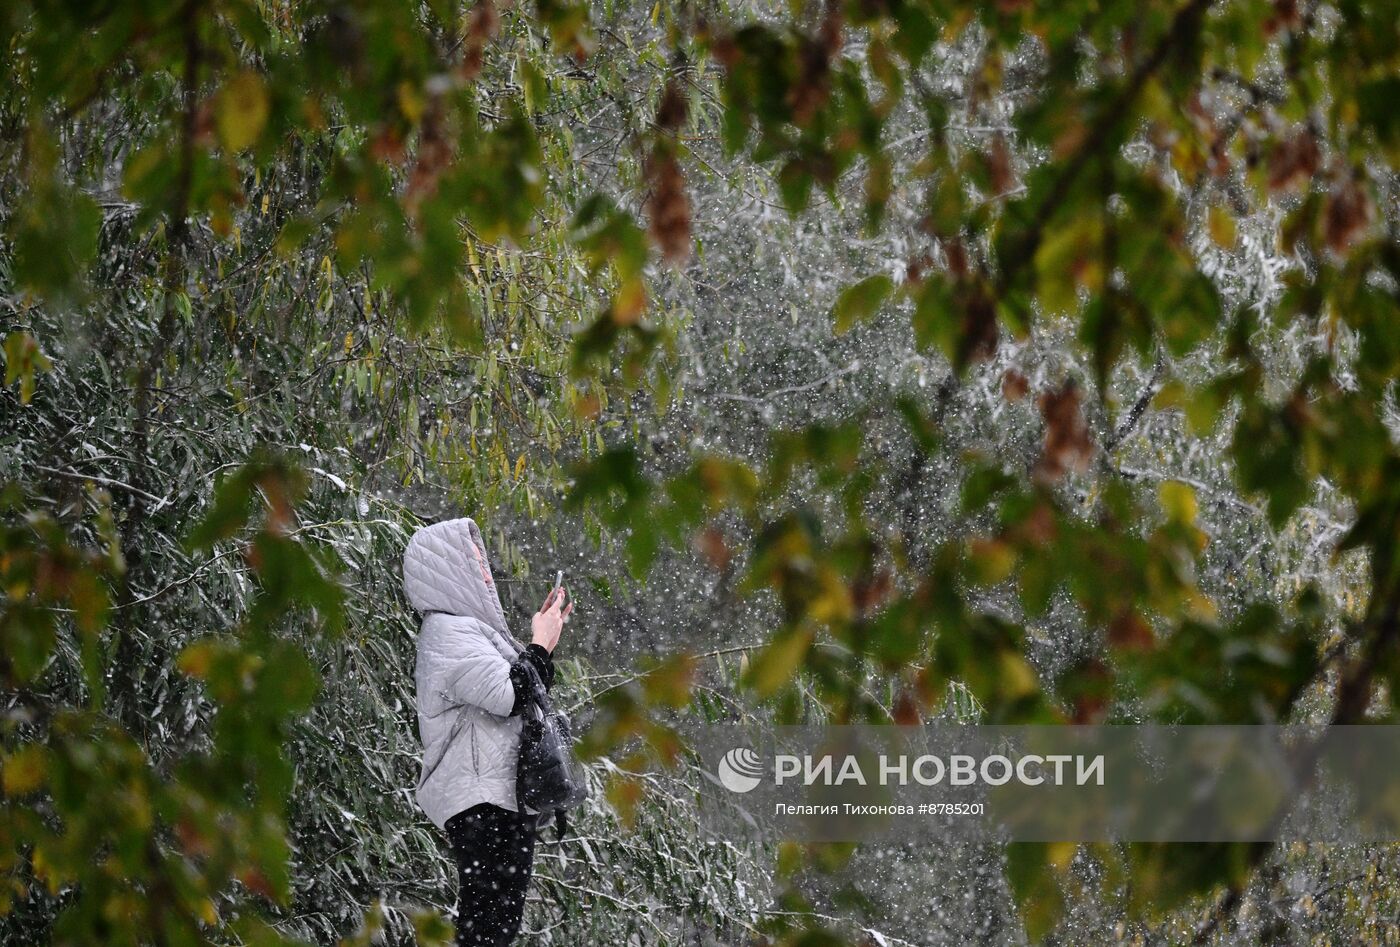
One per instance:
[(156, 848), (1132, 136)]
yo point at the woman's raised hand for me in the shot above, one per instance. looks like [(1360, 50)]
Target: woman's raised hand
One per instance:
[(548, 622)]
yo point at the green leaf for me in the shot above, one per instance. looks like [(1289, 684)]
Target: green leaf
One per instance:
[(917, 31), (1167, 875), (22, 361), (1376, 101), (1035, 887), (860, 301), (55, 232), (1067, 259)]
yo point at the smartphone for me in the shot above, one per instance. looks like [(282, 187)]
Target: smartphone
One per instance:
[(558, 581)]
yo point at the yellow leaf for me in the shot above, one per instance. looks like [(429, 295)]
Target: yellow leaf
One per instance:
[(196, 659), (22, 361), (519, 466), (1066, 260), (411, 103), (669, 683), (44, 870), (1179, 501), (25, 771), (629, 301), (1018, 678), (992, 560), (1201, 607), (834, 602), (242, 110), (775, 664), (1172, 395), (624, 792), (1222, 227)]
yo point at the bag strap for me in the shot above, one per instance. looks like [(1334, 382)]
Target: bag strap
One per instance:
[(538, 694)]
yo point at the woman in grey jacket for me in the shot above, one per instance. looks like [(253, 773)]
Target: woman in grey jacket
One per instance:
[(472, 686)]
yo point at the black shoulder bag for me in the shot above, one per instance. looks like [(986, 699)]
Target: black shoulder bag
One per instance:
[(548, 777)]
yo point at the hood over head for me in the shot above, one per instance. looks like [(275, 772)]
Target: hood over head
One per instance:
[(446, 569)]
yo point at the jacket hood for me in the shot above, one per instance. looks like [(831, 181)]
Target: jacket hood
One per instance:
[(446, 569)]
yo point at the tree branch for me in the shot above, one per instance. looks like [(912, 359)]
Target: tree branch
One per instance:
[(1135, 413), (106, 482), (1184, 25), (177, 234)]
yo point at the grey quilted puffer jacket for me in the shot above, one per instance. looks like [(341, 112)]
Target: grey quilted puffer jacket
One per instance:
[(462, 673)]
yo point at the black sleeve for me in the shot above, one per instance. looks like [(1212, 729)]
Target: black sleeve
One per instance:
[(520, 678)]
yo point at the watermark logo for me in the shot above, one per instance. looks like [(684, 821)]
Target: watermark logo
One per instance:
[(740, 770), (1121, 783)]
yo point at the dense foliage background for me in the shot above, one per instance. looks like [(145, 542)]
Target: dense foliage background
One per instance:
[(868, 361)]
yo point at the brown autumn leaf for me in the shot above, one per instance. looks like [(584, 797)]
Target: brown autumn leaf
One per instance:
[(1299, 413), (434, 156), (1067, 443), (1089, 695), (980, 333), (387, 146), (914, 270), (1285, 16), (669, 684), (725, 50), (625, 793), (928, 686), (671, 112), (831, 35), (276, 491), (1346, 214), (956, 255), (668, 206), (906, 709), (1014, 385), (587, 406), (1070, 138), (813, 86), (809, 93), (1217, 141), (192, 840), (710, 544), (1129, 630), (1037, 528), (1218, 160), (870, 591), (482, 25), (204, 124), (1294, 161), (999, 166), (256, 882), (52, 577)]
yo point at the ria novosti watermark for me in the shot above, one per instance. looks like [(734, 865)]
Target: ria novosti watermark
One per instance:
[(741, 770), (959, 769), (1061, 783)]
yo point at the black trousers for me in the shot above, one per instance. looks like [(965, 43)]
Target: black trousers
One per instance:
[(494, 849)]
